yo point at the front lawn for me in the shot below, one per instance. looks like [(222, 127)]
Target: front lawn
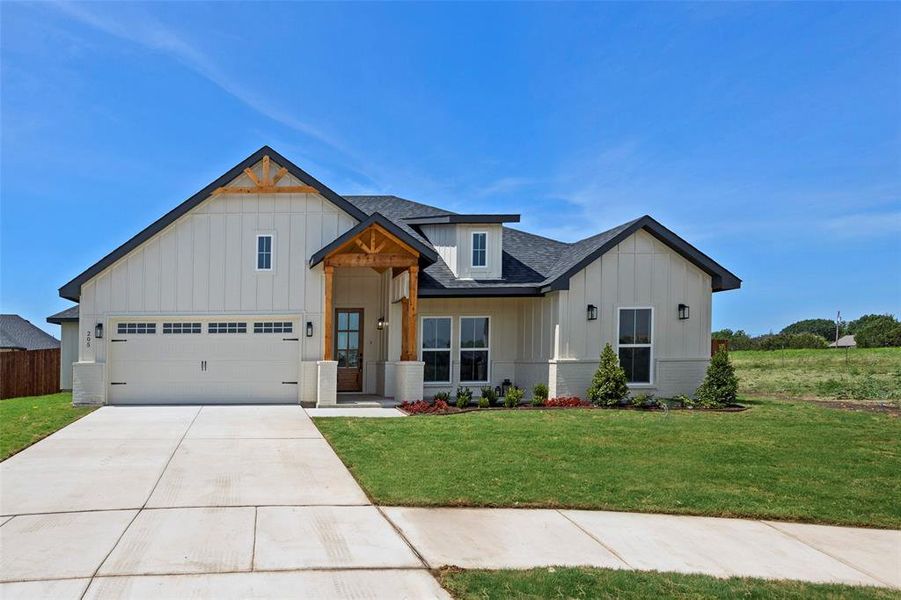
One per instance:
[(779, 460), (24, 421), (606, 583), (854, 374)]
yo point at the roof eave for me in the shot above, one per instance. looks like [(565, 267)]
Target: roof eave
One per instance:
[(464, 219), (426, 254), (72, 289), (484, 292)]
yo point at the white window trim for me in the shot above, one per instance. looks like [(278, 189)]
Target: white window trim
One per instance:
[(651, 370), (461, 349), (256, 252), (450, 350), (472, 250)]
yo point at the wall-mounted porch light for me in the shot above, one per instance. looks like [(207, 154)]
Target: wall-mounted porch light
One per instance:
[(380, 324), (309, 328), (683, 312), (592, 312), (98, 331)]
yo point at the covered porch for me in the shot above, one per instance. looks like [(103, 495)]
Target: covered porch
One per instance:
[(370, 283)]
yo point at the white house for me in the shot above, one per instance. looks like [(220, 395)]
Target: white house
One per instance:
[(268, 287)]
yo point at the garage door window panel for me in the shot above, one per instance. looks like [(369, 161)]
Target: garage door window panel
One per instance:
[(273, 327), (181, 328), (227, 327), (136, 328)]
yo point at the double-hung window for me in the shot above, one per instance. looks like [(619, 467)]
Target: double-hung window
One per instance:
[(264, 253), (436, 349), (474, 349), (479, 249), (636, 343)]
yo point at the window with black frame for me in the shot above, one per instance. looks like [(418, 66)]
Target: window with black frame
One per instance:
[(474, 349), (436, 349), (635, 343)]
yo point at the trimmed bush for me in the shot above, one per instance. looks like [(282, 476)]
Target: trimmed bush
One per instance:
[(608, 386), (463, 397), (489, 394), (443, 396), (539, 394), (720, 385), (484, 402), (421, 407), (513, 396)]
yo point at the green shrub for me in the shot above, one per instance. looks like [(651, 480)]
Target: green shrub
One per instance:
[(443, 396), (513, 396), (720, 385), (643, 401), (489, 394), (794, 341), (539, 394), (608, 386), (484, 402), (463, 397), (878, 332)]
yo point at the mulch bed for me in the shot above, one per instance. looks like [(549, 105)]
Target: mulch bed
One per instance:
[(453, 410)]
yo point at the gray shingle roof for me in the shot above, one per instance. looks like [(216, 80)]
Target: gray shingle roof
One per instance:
[(16, 332), (70, 314), (531, 264)]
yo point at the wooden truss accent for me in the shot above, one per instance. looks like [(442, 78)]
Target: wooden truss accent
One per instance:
[(267, 184), (377, 248)]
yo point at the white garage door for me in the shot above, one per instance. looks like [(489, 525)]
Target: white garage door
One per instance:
[(232, 361)]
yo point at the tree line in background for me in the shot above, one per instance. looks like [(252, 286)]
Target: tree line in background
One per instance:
[(869, 331)]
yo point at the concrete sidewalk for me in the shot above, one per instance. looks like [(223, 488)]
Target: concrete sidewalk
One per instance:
[(524, 538), (251, 502)]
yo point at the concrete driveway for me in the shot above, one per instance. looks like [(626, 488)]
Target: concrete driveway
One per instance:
[(209, 501)]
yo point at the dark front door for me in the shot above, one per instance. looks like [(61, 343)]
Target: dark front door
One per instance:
[(348, 348)]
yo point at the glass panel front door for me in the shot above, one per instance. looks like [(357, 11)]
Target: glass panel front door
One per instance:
[(348, 348)]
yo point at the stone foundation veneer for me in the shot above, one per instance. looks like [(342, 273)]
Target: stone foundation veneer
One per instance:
[(408, 377), (327, 383), (88, 383)]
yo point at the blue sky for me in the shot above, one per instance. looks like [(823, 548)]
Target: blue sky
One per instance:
[(767, 134)]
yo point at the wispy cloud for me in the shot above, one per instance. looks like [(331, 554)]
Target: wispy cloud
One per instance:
[(146, 31), (863, 224)]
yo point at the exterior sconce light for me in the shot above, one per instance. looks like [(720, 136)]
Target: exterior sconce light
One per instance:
[(380, 325), (592, 312), (98, 331), (309, 328), (683, 312)]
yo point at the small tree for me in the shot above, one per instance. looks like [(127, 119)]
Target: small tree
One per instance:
[(720, 385), (609, 385)]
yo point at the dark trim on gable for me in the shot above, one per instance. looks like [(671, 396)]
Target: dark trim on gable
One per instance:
[(443, 219), (72, 289), (722, 279), (425, 252)]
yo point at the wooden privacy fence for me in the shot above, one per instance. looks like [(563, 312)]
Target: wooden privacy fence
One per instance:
[(29, 373)]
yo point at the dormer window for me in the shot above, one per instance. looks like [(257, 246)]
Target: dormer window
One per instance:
[(479, 249)]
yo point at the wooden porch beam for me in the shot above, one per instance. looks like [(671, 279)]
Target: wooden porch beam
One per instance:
[(412, 309), (328, 352), (371, 260), (267, 189)]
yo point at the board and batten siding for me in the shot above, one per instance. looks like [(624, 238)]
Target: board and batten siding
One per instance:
[(641, 271), (453, 243), (204, 264)]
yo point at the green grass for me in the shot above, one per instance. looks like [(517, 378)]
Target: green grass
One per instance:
[(779, 460), (856, 374), (24, 421), (606, 583)]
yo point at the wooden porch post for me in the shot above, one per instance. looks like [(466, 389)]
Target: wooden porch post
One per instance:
[(412, 304), (328, 315)]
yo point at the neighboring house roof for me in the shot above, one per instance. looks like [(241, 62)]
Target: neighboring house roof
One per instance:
[(531, 264), (846, 341), (70, 314), (18, 334)]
